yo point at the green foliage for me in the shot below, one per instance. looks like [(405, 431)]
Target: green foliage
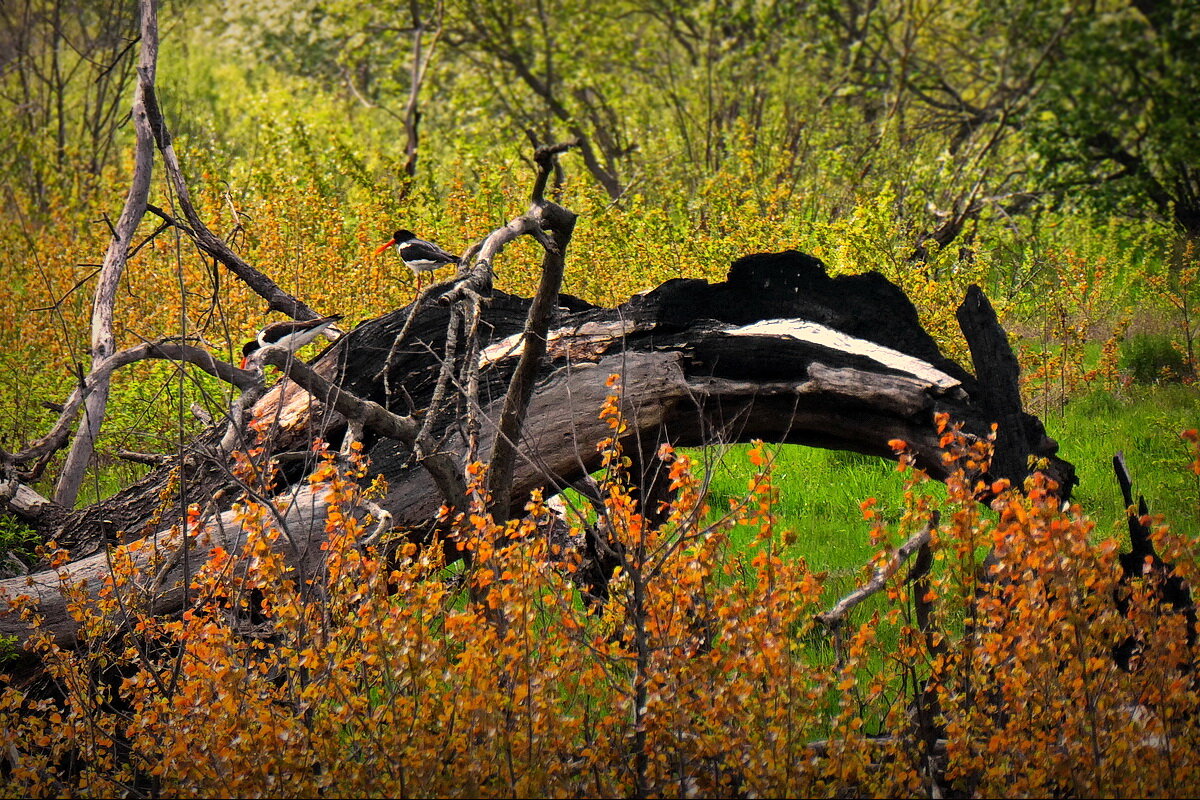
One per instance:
[(64, 71), (18, 549), (820, 502), (1150, 358), (1119, 117)]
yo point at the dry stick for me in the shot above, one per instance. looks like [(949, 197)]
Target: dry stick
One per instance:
[(469, 378), (474, 281), (471, 282), (435, 289), (836, 615), (433, 410), (103, 344), (561, 223), (150, 459)]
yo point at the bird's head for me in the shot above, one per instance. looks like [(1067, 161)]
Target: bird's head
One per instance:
[(247, 349), (399, 237)]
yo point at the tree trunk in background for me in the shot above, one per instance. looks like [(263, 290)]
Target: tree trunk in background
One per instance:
[(103, 345)]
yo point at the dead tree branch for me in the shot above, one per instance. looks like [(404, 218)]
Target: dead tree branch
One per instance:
[(168, 350), (699, 363), (206, 240), (162, 587), (552, 225), (996, 367), (834, 617), (442, 468)]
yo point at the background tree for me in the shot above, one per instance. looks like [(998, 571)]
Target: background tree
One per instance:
[(1118, 124), (65, 66)]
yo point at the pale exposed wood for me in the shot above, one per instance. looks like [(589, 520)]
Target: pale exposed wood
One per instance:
[(158, 570)]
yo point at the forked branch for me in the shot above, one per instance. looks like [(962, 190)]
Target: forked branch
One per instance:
[(552, 225), (443, 468), (70, 479)]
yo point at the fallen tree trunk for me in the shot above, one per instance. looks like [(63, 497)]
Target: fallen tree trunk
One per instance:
[(779, 351), (163, 568)]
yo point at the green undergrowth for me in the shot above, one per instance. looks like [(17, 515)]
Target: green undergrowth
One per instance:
[(1144, 423), (822, 491)]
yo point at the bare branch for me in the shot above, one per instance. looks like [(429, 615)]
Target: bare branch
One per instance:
[(206, 240), (103, 344), (150, 459), (444, 469), (836, 615), (168, 350), (542, 216)]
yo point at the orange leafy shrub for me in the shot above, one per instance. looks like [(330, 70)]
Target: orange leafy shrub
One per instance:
[(703, 671)]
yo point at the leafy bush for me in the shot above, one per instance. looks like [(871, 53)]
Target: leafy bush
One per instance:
[(1152, 357), (701, 673)]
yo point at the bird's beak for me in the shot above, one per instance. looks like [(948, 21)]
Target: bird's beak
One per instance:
[(386, 246)]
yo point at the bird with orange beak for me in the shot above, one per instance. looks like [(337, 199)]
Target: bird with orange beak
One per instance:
[(417, 254)]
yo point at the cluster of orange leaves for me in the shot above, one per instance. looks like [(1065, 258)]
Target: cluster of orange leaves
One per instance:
[(703, 672)]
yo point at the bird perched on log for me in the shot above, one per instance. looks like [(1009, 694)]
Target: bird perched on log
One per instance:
[(291, 334), (417, 254)]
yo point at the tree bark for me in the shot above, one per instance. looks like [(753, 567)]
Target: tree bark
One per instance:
[(779, 351), (1019, 435)]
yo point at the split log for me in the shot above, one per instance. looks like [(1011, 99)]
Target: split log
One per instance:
[(779, 351)]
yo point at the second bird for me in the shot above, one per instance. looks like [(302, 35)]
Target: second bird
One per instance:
[(418, 255)]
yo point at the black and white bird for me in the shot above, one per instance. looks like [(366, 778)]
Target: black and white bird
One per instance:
[(417, 254), (291, 334)]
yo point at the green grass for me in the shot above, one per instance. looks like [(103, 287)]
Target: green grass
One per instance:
[(1143, 422), (820, 498), (821, 490)]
